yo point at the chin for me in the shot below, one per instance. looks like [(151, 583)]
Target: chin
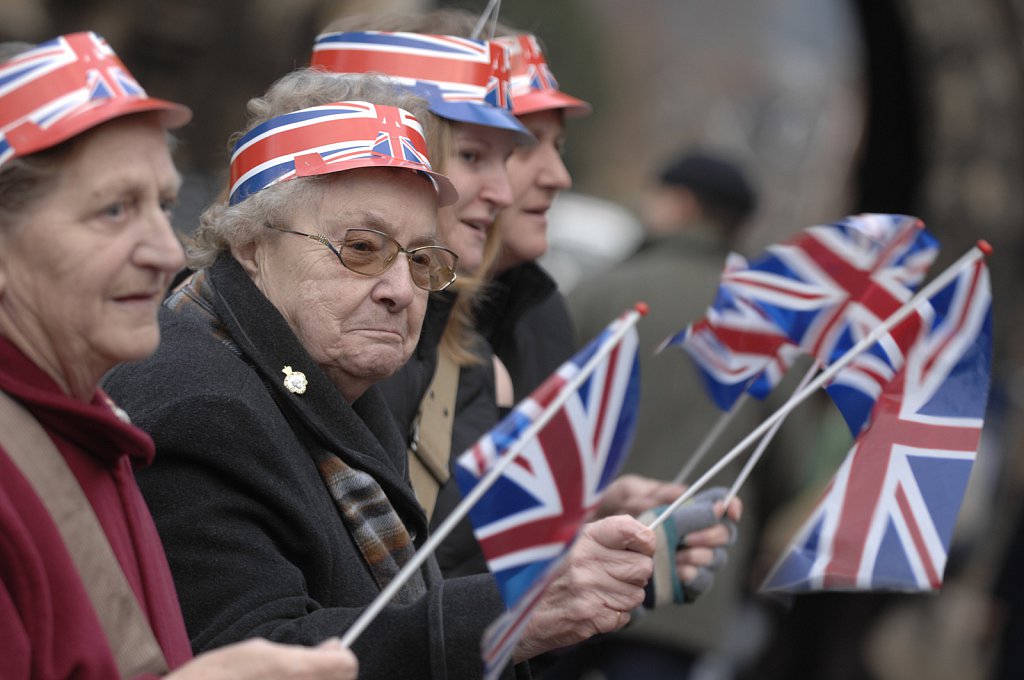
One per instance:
[(136, 345), (537, 252), (528, 254), (382, 366)]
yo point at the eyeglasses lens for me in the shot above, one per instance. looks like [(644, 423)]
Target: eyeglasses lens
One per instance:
[(371, 252)]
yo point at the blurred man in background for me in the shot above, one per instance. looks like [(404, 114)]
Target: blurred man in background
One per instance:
[(693, 216)]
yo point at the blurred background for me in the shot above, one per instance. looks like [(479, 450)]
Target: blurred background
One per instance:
[(833, 107)]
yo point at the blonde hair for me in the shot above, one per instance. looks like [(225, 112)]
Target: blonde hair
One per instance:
[(460, 336)]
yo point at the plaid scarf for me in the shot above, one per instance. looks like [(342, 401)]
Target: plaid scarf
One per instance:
[(364, 508)]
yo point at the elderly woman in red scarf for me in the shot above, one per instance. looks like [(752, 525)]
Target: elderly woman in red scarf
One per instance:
[(86, 252)]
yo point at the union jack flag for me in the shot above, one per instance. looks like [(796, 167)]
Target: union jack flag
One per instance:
[(848, 276), (857, 386), (735, 347), (465, 70), (534, 87), (393, 138), (59, 79), (530, 70), (887, 518), (527, 521), (298, 143), (499, 82)]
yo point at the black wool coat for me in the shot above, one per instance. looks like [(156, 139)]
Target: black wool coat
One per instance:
[(252, 535), (528, 325)]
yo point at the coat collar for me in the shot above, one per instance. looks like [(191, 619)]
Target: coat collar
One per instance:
[(511, 295), (363, 434), (94, 426)]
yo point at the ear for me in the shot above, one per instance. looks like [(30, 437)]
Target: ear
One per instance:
[(247, 256)]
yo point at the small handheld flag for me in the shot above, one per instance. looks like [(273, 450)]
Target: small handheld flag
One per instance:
[(605, 398), (886, 520), (530, 516)]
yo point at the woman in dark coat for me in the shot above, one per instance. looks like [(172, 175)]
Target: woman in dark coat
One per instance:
[(281, 489)]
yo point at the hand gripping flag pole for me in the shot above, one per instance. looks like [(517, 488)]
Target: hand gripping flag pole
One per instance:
[(462, 509), (982, 249)]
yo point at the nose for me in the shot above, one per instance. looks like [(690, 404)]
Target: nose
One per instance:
[(159, 247), (394, 287), (555, 175), (496, 188)]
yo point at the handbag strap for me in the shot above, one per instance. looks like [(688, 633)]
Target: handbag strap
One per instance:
[(431, 445), (131, 639)]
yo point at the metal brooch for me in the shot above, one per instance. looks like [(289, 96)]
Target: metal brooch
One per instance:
[(294, 381)]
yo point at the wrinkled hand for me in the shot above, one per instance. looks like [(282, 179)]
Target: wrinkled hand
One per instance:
[(263, 660), (633, 495), (601, 580)]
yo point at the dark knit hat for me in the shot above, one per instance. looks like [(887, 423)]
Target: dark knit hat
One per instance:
[(719, 184)]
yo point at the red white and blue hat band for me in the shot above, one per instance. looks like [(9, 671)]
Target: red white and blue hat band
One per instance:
[(65, 86), (464, 80), (534, 87), (331, 138)]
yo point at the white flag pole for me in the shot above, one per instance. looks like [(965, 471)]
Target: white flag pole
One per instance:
[(494, 20), (482, 21), (765, 441), (462, 509), (979, 251), (710, 438)]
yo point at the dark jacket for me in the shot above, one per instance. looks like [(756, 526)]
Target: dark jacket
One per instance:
[(252, 535), (525, 321)]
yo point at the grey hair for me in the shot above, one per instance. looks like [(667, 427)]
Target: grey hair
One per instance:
[(222, 227), (27, 179)]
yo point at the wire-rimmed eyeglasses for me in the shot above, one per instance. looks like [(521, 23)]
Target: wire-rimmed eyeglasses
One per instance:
[(370, 252)]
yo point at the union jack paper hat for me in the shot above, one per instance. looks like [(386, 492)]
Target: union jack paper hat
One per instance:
[(534, 87), (463, 79), (65, 86), (331, 138)]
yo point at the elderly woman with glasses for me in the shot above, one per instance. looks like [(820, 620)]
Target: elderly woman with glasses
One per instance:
[(522, 327), (86, 252), (281, 486)]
